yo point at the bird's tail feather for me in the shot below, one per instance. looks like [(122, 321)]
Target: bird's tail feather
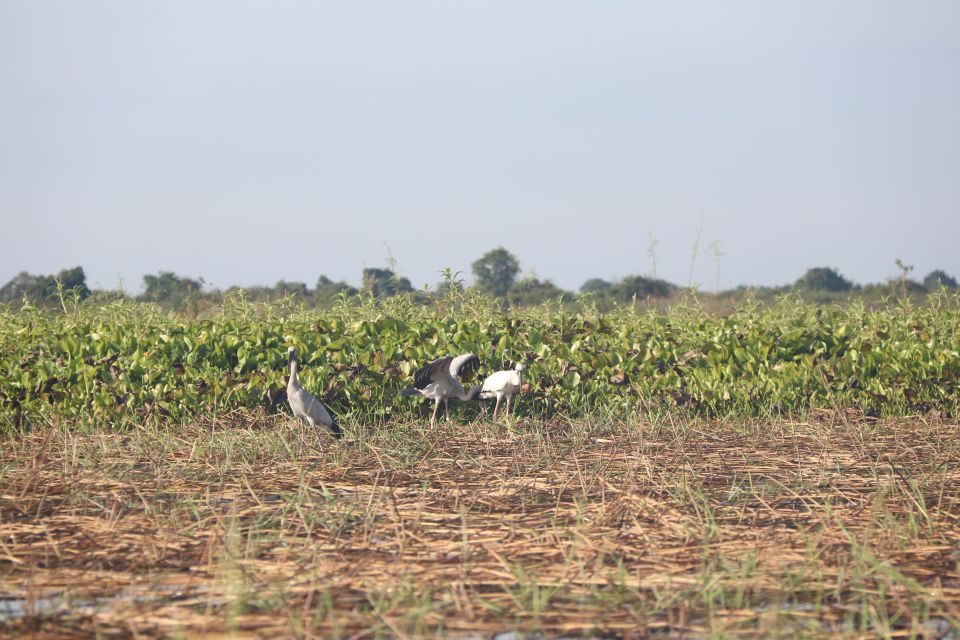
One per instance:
[(334, 428), (406, 393)]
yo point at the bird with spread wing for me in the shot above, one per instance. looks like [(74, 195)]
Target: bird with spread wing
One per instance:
[(440, 380)]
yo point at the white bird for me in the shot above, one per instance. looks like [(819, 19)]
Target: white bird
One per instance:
[(304, 404), (439, 380), (502, 384)]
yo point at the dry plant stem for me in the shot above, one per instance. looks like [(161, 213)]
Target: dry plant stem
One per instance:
[(249, 526)]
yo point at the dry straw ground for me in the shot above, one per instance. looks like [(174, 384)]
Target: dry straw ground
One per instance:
[(252, 526)]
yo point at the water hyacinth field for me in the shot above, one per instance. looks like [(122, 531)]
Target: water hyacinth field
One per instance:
[(785, 470), (128, 363)]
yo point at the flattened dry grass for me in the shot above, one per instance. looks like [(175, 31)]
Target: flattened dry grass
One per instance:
[(250, 525)]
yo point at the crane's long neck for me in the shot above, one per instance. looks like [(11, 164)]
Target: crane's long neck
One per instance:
[(469, 395), (293, 373)]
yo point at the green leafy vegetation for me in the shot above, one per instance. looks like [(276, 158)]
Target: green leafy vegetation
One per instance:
[(120, 362)]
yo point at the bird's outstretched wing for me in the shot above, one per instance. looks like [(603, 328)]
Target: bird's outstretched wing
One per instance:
[(428, 373), (462, 365)]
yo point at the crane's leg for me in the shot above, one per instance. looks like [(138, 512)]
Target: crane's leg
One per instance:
[(446, 409), (496, 406), (508, 405), (436, 405)]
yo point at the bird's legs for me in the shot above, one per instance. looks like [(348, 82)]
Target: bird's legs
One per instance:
[(508, 405), (433, 418), (496, 406), (446, 409)]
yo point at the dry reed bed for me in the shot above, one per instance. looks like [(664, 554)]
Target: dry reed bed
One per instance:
[(252, 526)]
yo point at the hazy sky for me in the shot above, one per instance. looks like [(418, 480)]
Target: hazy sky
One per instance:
[(246, 142)]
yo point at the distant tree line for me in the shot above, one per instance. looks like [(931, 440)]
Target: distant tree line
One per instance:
[(73, 282), (824, 282), (496, 273)]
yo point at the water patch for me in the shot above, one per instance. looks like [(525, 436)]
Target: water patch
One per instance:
[(65, 603)]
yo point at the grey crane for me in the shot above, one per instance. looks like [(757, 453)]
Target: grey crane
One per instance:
[(439, 380), (305, 405), (502, 384)]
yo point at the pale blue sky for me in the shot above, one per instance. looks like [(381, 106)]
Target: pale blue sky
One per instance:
[(246, 142)]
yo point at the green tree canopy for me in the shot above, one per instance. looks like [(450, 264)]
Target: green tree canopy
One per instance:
[(936, 279), (383, 283), (530, 291), (823, 279), (167, 286), (595, 285), (641, 287), (495, 271), (40, 288), (327, 288), (284, 288)]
